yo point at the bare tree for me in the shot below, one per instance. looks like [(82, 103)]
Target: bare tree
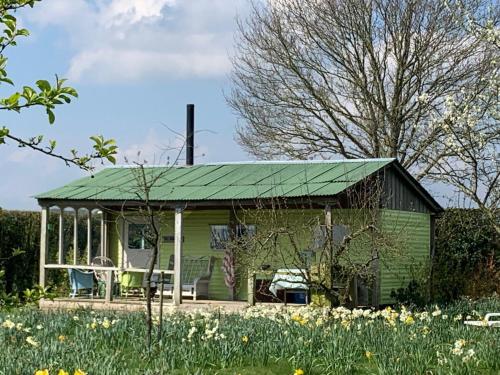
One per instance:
[(333, 250), (152, 211), (354, 78)]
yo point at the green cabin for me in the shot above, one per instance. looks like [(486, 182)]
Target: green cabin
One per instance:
[(199, 209)]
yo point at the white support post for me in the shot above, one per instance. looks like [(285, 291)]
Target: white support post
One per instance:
[(75, 237), (106, 245), (178, 257), (109, 287), (329, 239), (89, 235), (103, 241), (43, 245), (61, 236), (328, 218)]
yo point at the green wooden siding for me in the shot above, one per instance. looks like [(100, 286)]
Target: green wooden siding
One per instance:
[(412, 231)]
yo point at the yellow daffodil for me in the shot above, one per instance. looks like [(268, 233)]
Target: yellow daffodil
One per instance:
[(298, 371), (368, 354), (61, 338), (42, 372), (79, 372), (245, 339), (409, 320), (106, 323), (62, 372)]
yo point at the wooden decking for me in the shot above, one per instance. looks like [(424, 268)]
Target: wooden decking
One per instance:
[(136, 304)]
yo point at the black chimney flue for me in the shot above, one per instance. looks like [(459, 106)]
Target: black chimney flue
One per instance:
[(190, 134)]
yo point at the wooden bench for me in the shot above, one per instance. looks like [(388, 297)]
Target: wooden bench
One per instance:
[(196, 275)]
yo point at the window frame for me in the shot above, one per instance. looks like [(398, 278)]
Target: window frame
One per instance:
[(135, 221)]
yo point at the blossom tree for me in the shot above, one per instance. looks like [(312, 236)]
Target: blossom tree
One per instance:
[(471, 128)]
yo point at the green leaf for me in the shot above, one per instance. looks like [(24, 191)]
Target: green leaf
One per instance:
[(43, 85), (23, 32), (51, 115)]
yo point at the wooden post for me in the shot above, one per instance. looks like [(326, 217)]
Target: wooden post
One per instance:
[(43, 245), (60, 259), (178, 257), (251, 288), (89, 236), (103, 240), (109, 286), (75, 237), (329, 239), (105, 218)]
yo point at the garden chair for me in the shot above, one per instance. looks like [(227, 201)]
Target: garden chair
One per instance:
[(101, 275), (196, 275), (486, 322), (131, 282), (80, 280)]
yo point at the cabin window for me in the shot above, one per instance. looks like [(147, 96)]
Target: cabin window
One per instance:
[(339, 231), (219, 234), (245, 230), (138, 235)]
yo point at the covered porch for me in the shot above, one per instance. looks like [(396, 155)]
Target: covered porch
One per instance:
[(87, 260)]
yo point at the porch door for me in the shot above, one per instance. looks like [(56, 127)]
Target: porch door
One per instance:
[(138, 249)]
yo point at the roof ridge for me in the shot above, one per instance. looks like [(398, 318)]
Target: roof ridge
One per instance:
[(263, 162)]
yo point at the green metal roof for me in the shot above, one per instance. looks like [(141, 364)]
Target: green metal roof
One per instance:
[(225, 181)]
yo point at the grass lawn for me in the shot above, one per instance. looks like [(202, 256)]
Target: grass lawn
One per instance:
[(259, 341)]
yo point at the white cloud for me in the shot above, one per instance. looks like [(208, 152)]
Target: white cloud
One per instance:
[(132, 40)]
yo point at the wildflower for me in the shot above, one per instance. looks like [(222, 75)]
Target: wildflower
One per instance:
[(62, 372), (468, 356), (368, 354), (436, 312), (245, 339), (298, 371), (75, 318), (19, 326), (409, 320), (106, 323), (79, 372), (30, 340), (441, 358), (9, 324), (457, 318), (459, 343), (42, 372), (61, 338), (39, 327)]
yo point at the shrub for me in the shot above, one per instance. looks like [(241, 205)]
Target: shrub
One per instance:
[(466, 256)]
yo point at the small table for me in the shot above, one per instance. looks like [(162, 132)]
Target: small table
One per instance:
[(291, 281)]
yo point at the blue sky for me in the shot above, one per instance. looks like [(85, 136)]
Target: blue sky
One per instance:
[(135, 64)]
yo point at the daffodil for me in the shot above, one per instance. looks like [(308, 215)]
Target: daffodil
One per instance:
[(245, 339), (30, 340), (79, 372), (62, 372), (9, 324), (298, 371), (409, 320), (61, 338), (368, 354), (106, 323), (42, 372)]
